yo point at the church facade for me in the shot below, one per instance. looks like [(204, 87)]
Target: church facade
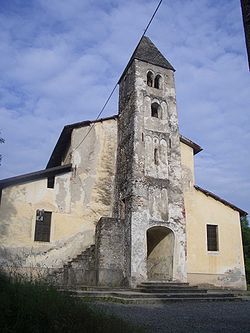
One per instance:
[(117, 203)]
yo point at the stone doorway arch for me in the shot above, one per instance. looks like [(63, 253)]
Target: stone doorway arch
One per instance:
[(160, 253)]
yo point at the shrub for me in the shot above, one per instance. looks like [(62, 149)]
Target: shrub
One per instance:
[(37, 308)]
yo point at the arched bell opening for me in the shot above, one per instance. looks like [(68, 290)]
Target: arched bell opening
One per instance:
[(158, 82), (150, 79), (160, 253)]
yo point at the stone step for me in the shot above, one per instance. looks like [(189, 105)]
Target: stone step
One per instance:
[(167, 300), (132, 297), (166, 287), (130, 294), (165, 284), (171, 290)]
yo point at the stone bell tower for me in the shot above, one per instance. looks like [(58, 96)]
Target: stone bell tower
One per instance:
[(148, 191)]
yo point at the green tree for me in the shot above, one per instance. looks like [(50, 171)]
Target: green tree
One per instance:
[(1, 141), (245, 228)]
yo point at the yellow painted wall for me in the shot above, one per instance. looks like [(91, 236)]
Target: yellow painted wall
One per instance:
[(77, 201), (224, 267)]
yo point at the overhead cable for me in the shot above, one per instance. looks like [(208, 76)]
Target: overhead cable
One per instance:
[(113, 90)]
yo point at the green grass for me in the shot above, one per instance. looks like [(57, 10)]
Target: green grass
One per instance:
[(37, 308)]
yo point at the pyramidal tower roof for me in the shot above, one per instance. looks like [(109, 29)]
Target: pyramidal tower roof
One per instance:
[(148, 52)]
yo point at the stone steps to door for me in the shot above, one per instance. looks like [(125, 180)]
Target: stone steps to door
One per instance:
[(133, 297), (168, 286), (133, 294), (169, 300), (153, 292)]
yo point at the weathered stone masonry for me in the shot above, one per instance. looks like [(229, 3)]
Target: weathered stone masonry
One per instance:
[(150, 192)]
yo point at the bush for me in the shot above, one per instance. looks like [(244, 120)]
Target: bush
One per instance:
[(246, 245), (37, 308)]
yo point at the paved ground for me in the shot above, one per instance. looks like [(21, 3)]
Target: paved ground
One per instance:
[(194, 317)]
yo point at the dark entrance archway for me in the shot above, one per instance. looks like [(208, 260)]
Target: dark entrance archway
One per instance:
[(160, 253)]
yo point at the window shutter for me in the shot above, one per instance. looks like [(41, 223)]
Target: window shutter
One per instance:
[(212, 237), (43, 225)]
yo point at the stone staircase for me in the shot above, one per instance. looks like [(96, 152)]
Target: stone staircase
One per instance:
[(77, 272), (155, 292)]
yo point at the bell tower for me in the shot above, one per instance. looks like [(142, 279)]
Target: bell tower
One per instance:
[(148, 190)]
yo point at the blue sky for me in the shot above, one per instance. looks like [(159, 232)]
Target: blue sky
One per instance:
[(60, 59)]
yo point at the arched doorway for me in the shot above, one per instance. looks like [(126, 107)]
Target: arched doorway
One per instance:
[(160, 253)]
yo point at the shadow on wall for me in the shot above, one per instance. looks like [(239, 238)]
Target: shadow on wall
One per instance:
[(104, 184), (6, 216)]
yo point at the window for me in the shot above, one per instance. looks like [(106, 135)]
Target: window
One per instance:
[(212, 237), (150, 78), (155, 108), (51, 182), (123, 208), (156, 156), (43, 224), (157, 83)]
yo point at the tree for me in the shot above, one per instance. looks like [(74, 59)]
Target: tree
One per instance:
[(246, 245), (1, 141)]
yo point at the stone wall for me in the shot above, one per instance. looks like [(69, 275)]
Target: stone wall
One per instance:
[(149, 187), (110, 253)]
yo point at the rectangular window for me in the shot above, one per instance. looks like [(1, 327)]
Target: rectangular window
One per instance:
[(212, 237), (51, 182), (43, 224)]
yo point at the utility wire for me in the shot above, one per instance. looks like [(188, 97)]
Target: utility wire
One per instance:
[(113, 90), (93, 124), (151, 18)]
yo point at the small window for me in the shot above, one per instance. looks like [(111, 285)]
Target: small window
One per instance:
[(150, 78), (155, 108), (43, 224), (123, 207), (51, 182), (156, 156), (212, 237), (157, 83)]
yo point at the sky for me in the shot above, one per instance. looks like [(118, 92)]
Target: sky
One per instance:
[(60, 59)]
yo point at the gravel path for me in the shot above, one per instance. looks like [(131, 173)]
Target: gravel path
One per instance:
[(207, 317)]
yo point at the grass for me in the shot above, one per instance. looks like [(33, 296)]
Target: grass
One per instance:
[(39, 308)]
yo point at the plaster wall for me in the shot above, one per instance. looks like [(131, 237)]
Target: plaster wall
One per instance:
[(222, 268), (77, 202)]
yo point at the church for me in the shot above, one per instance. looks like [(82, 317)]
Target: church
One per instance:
[(117, 204)]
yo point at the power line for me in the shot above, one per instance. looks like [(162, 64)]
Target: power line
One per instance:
[(152, 17), (113, 90), (93, 124)]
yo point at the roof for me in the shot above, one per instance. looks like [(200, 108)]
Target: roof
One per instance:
[(64, 140), (146, 51), (216, 197), (35, 175), (191, 144), (65, 137)]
